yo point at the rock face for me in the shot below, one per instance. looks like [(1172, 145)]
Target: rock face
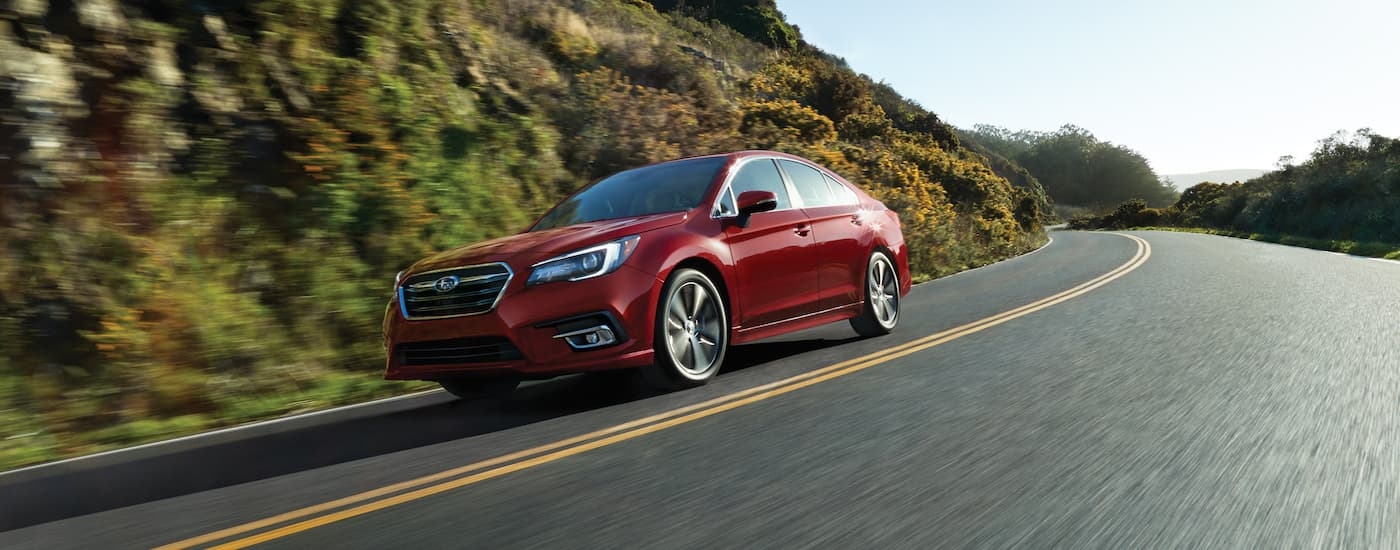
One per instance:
[(719, 64), (86, 97), (40, 100), (89, 122)]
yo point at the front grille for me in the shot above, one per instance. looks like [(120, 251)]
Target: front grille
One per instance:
[(460, 350), (471, 290)]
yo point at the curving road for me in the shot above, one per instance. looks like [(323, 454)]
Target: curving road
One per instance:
[(1217, 393)]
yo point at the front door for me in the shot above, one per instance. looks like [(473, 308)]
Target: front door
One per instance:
[(775, 256)]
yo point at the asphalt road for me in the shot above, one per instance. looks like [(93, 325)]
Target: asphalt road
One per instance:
[(1224, 393)]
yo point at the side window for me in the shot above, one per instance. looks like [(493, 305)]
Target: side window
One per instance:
[(810, 183), (725, 205), (761, 175), (840, 193)]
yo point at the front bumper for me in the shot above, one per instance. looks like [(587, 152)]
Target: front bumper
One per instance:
[(527, 318)]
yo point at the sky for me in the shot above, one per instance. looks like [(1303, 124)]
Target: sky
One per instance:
[(1193, 85)]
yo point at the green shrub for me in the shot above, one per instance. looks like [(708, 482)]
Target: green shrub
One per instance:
[(1085, 222), (790, 119)]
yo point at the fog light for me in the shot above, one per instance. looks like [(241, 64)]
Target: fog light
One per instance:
[(589, 338)]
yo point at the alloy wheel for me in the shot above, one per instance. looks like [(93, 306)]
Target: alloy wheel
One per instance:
[(883, 291), (693, 325)]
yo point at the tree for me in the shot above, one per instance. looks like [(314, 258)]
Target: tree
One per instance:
[(1078, 169), (759, 20)]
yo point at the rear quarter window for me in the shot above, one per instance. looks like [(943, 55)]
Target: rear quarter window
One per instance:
[(840, 193)]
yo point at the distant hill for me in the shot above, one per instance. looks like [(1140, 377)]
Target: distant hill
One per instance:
[(1342, 198), (1074, 167), (1183, 181)]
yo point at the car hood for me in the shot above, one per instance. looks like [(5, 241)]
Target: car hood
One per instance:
[(524, 249)]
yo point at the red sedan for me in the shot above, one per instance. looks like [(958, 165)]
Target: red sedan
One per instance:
[(660, 268)]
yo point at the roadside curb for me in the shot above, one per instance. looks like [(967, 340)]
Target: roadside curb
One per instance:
[(1048, 241), (124, 477), (227, 435)]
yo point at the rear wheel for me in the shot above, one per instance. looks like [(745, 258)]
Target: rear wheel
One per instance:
[(692, 332), (881, 310), (480, 390)]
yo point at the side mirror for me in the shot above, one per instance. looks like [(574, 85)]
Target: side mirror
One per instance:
[(753, 202)]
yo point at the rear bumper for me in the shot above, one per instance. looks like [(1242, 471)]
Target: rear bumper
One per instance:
[(527, 317)]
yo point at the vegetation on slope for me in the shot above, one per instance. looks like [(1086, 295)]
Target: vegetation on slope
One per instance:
[(206, 203), (1346, 197), (1076, 168)]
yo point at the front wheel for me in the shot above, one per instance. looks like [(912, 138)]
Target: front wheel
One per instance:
[(881, 310), (692, 332)]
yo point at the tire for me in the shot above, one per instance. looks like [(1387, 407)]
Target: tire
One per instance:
[(480, 390), (691, 334), (881, 311)]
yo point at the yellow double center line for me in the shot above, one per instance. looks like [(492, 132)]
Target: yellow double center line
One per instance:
[(407, 491)]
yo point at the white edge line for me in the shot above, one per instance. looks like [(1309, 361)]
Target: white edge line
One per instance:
[(219, 432), (1332, 252), (1048, 242)]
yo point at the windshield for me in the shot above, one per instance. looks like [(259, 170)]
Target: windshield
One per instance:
[(670, 187)]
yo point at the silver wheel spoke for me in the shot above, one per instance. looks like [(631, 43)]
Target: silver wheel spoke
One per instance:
[(677, 325), (709, 333), (677, 341), (702, 359), (687, 358), (700, 297), (676, 310), (690, 299)]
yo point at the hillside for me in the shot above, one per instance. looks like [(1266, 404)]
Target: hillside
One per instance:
[(1077, 170), (1344, 197), (1185, 181), (202, 206)]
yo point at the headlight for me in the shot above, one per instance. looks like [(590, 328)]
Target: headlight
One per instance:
[(583, 264)]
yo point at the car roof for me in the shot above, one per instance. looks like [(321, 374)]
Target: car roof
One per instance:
[(746, 153)]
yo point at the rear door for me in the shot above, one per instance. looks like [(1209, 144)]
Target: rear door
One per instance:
[(841, 242), (775, 255)]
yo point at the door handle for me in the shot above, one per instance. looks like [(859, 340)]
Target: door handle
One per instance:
[(802, 230)]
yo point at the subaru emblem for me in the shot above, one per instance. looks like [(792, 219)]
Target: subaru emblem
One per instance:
[(446, 284)]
